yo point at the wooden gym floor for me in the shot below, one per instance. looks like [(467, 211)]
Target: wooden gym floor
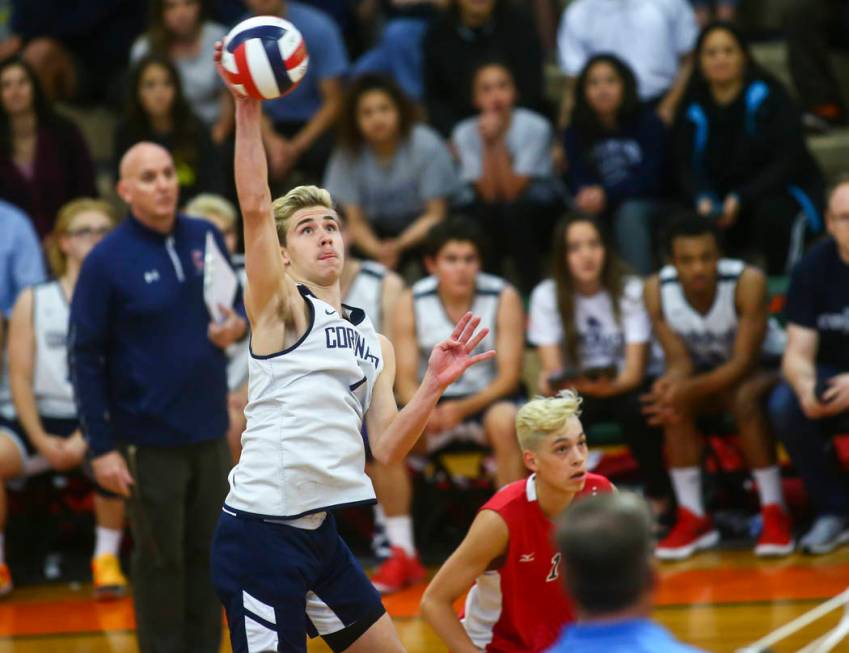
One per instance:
[(718, 601)]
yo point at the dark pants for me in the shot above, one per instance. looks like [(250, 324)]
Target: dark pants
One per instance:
[(812, 26), (645, 442), (175, 505), (809, 443)]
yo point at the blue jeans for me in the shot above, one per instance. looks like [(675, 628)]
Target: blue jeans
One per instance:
[(809, 444), (632, 223), (398, 54)]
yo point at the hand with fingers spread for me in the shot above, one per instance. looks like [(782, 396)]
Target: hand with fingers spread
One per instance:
[(451, 357)]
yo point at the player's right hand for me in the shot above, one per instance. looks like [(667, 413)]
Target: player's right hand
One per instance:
[(60, 456), (111, 473)]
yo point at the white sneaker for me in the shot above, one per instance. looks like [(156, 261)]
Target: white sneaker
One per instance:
[(827, 533)]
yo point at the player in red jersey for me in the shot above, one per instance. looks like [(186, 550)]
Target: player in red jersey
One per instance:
[(517, 603)]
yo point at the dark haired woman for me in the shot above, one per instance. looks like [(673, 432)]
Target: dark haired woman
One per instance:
[(592, 333), (180, 30), (44, 161), (392, 175), (741, 156), (615, 151), (158, 112)]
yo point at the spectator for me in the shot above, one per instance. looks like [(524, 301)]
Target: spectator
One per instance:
[(591, 331), (480, 406), (181, 31), (297, 128), (220, 212), (157, 434), (508, 557), (458, 41), (812, 403), (78, 49), (740, 153), (812, 27), (710, 316), (708, 10), (605, 544), (46, 433), (660, 57), (616, 150), (157, 111), (399, 52), (505, 157), (44, 161), (392, 175)]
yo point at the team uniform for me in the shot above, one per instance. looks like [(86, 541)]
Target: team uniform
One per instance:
[(521, 606), (54, 395), (279, 566), (433, 326), (709, 338)]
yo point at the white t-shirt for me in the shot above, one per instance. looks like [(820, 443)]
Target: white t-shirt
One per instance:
[(601, 340), (649, 35)]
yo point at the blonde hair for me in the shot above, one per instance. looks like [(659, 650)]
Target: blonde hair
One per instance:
[(300, 197), (209, 204), (544, 415), (57, 259)]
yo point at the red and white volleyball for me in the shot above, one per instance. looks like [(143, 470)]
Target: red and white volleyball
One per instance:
[(264, 57)]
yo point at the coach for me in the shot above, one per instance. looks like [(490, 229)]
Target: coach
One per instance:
[(149, 374)]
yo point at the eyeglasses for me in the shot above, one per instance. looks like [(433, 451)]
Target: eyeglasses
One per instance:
[(88, 232)]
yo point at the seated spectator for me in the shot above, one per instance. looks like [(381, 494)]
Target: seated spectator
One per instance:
[(46, 433), (812, 28), (508, 556), (467, 34), (480, 406), (605, 544), (399, 52), (592, 333), (158, 112), (181, 31), (79, 49), (505, 156), (220, 212), (710, 315), (391, 174), (710, 10), (812, 403), (297, 128), (44, 161), (740, 153), (654, 37), (615, 152)]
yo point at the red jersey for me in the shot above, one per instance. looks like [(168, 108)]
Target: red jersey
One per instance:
[(522, 606)]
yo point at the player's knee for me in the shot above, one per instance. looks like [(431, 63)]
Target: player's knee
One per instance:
[(748, 401)]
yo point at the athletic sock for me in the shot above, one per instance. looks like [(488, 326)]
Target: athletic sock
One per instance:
[(399, 531), (687, 483), (107, 541), (768, 481)]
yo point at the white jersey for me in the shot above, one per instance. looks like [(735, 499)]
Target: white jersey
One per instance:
[(709, 338), (302, 451), (238, 352), (54, 395), (433, 326), (366, 292)]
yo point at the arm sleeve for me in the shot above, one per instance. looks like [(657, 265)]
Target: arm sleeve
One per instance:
[(544, 326), (636, 326), (684, 27), (27, 265), (467, 144), (340, 179), (533, 158), (801, 296), (438, 177), (88, 337)]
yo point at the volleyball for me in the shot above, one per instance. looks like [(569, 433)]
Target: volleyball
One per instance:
[(264, 57)]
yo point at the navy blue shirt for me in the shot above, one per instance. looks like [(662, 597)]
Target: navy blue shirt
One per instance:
[(143, 369), (631, 636), (818, 299)]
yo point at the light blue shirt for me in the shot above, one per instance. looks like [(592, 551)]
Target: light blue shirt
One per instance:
[(21, 259), (631, 636), (328, 59)]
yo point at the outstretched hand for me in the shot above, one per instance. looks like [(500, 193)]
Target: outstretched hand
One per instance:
[(451, 357), (216, 56)]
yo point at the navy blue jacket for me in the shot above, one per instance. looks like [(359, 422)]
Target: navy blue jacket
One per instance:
[(143, 369)]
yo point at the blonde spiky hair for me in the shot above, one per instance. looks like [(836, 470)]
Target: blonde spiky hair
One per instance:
[(544, 415), (300, 197)]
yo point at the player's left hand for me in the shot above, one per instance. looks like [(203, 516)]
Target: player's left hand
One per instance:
[(229, 330), (451, 357)]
